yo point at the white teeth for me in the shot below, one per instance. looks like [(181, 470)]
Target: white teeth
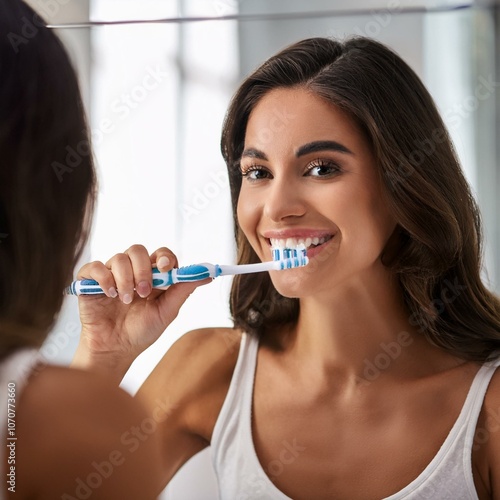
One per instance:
[(295, 242)]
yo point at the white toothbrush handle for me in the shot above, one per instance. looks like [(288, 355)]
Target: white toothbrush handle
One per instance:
[(272, 265)]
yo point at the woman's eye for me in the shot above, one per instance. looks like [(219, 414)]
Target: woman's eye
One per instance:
[(255, 173), (322, 168)]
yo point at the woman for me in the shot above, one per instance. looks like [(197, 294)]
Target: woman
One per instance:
[(364, 374), (65, 433)]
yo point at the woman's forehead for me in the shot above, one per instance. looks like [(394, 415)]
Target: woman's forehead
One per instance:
[(292, 117)]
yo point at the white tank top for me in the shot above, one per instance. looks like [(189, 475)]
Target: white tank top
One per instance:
[(14, 373), (241, 476)]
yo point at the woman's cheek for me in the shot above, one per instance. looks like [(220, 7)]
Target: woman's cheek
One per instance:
[(247, 218)]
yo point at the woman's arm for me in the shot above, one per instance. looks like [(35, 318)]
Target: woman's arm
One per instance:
[(186, 390)]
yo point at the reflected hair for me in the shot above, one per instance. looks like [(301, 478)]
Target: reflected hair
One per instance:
[(45, 205), (436, 248)]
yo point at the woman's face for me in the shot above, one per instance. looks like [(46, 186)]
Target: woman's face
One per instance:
[(310, 177)]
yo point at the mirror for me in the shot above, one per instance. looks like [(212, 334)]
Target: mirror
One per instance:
[(157, 93)]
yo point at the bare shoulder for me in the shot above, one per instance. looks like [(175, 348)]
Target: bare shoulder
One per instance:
[(204, 348), (194, 375), (82, 426), (486, 448)]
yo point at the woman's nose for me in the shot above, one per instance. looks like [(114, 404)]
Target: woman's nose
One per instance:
[(283, 200)]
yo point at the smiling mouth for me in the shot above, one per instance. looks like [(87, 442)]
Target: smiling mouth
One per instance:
[(308, 243)]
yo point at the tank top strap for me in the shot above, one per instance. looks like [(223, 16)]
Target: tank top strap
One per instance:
[(238, 403), (474, 402)]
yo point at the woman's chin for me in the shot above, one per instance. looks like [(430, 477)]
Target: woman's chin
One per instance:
[(291, 285)]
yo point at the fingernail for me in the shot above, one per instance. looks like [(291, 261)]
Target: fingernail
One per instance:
[(112, 292), (143, 288), (127, 298), (163, 262)]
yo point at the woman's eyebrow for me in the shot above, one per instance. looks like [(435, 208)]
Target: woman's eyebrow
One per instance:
[(313, 147), (254, 153)]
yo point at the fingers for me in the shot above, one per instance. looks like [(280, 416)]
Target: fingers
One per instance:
[(137, 274), (99, 272), (129, 272), (164, 259)]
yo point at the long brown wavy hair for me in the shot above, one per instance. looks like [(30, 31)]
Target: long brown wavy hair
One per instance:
[(438, 235), (47, 177)]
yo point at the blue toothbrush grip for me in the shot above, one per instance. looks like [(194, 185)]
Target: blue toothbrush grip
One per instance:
[(195, 272), (84, 287)]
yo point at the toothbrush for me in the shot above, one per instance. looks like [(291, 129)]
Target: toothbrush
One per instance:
[(283, 258)]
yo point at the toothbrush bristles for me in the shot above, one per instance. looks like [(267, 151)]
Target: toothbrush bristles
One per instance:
[(291, 257)]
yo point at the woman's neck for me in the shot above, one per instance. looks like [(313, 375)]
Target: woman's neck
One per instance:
[(359, 332)]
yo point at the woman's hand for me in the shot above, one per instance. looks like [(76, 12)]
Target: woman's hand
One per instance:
[(118, 326)]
